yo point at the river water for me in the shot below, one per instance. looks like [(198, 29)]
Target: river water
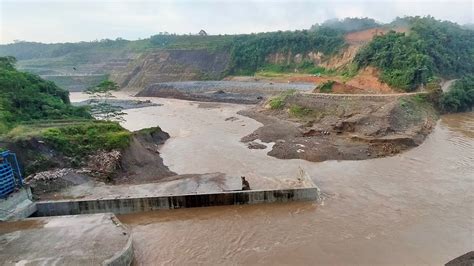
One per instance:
[(414, 208)]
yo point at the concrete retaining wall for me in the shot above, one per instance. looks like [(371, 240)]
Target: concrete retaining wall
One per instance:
[(123, 257), (17, 205), (128, 205)]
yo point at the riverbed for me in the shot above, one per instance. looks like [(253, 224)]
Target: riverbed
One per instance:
[(413, 208)]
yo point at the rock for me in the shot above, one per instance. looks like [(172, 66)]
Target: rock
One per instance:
[(232, 119), (254, 145), (48, 175), (104, 163), (464, 260)]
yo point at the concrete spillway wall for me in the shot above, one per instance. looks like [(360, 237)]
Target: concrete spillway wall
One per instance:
[(141, 204)]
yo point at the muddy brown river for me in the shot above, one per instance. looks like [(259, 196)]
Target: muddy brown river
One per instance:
[(411, 209)]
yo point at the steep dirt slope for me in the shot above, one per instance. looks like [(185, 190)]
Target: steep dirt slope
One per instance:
[(76, 74), (172, 65)]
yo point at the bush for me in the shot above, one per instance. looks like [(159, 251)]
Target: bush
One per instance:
[(278, 102), (299, 111), (460, 97), (326, 87)]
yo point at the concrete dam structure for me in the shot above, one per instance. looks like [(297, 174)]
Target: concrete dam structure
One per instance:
[(125, 205)]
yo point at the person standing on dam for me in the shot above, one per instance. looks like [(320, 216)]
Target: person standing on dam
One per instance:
[(245, 184)]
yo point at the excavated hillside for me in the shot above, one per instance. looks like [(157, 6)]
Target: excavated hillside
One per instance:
[(365, 81), (135, 69), (172, 65)]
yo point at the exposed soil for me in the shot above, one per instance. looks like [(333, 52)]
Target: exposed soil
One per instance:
[(141, 161), (365, 82), (368, 79), (364, 36), (342, 128), (172, 65)]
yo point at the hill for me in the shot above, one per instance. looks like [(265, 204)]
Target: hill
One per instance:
[(26, 97), (405, 54), (431, 48)]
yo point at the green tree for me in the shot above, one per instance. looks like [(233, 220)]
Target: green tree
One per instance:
[(460, 97), (101, 108)]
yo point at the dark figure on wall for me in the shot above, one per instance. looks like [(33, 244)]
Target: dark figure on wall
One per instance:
[(245, 184)]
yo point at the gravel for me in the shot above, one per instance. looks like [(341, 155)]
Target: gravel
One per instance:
[(221, 91)]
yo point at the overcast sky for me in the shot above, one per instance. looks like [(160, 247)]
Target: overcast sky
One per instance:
[(70, 21)]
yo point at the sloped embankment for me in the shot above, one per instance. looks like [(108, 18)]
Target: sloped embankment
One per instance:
[(221, 91), (52, 170), (332, 127), (173, 65)]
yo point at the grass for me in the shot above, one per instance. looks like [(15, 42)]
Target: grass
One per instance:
[(306, 67), (326, 87), (278, 102), (416, 107), (22, 132), (349, 72), (418, 100), (74, 139), (149, 130), (299, 111), (86, 138), (29, 129)]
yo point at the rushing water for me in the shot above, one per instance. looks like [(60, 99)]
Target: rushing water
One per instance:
[(414, 208)]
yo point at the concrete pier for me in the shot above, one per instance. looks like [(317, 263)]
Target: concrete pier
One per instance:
[(123, 205), (98, 239)]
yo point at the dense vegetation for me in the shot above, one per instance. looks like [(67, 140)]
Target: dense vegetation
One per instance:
[(26, 97), (33, 107), (432, 48), (348, 24), (249, 52), (173, 41), (460, 97)]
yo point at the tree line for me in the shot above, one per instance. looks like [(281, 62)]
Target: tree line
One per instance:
[(431, 48)]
